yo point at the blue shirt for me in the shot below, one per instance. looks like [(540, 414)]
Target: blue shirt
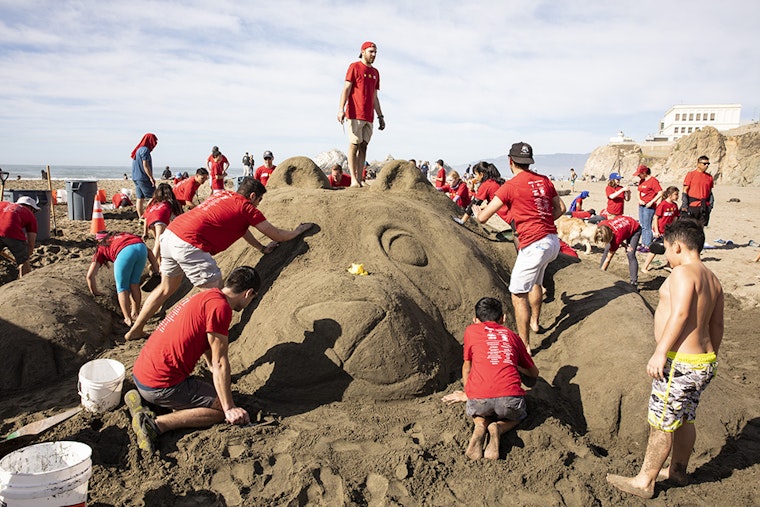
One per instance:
[(138, 173)]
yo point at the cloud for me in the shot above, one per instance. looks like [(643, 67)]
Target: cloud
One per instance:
[(82, 81)]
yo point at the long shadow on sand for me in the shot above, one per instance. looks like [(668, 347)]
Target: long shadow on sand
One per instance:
[(739, 452), (578, 307), (304, 377)]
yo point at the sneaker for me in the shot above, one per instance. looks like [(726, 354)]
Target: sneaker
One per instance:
[(458, 220), (643, 249), (143, 421)]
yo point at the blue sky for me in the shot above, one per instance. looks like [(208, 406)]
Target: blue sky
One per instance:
[(81, 81)]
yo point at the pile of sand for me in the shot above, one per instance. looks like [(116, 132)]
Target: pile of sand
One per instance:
[(355, 367)]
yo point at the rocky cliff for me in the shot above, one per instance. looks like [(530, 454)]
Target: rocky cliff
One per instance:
[(734, 157)]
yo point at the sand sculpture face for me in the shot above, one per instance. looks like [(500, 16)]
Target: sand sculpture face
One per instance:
[(318, 330)]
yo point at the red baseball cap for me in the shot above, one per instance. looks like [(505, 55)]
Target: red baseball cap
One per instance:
[(642, 169), (368, 44)]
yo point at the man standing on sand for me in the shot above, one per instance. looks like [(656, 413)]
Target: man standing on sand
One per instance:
[(263, 172), (359, 103), (697, 198), (688, 329), (142, 171), (18, 230), (534, 205), (193, 238), (195, 328)]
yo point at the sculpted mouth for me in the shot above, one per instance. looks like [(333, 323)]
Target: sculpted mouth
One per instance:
[(383, 346)]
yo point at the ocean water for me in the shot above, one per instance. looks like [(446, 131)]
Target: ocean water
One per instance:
[(80, 172)]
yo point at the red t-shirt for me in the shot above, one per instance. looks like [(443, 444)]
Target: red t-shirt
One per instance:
[(529, 197), (217, 222), (120, 200), (345, 181), (623, 228), (440, 178), (361, 100), (109, 251), (495, 353), (649, 188), (185, 190), (172, 351), (158, 212), (700, 186), (566, 249), (615, 205), (581, 214), (217, 169), (486, 191), (666, 213), (263, 172), (460, 194), (16, 220)]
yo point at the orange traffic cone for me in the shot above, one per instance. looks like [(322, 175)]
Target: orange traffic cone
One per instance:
[(98, 222)]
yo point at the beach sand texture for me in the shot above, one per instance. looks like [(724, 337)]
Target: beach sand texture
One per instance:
[(354, 366)]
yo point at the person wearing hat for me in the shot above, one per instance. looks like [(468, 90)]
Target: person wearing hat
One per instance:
[(533, 205), (217, 165), (359, 103), (142, 171), (18, 230), (616, 197), (650, 193), (264, 171), (128, 254)]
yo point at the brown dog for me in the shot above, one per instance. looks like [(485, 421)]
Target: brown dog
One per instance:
[(574, 230)]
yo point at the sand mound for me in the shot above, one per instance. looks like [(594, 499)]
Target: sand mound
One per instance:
[(50, 325)]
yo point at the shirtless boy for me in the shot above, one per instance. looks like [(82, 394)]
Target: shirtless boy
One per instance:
[(688, 329)]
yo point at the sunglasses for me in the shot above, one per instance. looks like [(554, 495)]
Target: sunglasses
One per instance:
[(705, 163)]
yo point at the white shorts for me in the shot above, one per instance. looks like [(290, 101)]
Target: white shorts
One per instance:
[(179, 256), (531, 263), (359, 131)]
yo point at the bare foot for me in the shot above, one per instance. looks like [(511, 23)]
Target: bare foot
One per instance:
[(626, 485), (475, 449), (128, 321), (133, 334), (492, 449), (534, 327), (676, 478), (645, 270)]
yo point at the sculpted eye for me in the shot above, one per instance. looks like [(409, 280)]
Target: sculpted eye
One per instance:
[(403, 247)]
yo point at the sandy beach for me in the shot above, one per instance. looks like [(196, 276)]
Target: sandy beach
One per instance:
[(349, 371)]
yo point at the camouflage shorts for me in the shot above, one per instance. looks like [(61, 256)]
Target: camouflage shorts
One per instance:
[(675, 398)]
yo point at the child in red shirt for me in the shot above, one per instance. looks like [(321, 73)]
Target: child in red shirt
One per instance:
[(494, 357), (665, 214)]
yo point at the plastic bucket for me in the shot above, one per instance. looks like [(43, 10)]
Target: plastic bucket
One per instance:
[(44, 199), (51, 474), (100, 383)]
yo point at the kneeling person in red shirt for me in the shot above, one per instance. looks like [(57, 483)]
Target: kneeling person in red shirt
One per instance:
[(195, 328), (494, 357)]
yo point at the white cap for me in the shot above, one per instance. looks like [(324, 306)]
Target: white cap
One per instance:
[(25, 199)]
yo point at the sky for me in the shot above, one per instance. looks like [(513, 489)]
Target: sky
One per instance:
[(82, 81)]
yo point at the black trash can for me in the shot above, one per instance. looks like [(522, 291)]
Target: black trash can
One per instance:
[(80, 196), (44, 199)]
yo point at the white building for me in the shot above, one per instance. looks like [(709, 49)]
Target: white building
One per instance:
[(682, 120)]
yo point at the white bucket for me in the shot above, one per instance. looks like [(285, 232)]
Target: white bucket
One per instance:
[(52, 474), (61, 196), (100, 383)]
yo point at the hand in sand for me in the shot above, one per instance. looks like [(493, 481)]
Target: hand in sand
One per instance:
[(237, 415), (455, 397)]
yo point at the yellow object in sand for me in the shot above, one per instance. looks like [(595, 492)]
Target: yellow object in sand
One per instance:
[(357, 269)]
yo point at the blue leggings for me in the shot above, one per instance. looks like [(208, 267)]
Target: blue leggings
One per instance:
[(129, 265)]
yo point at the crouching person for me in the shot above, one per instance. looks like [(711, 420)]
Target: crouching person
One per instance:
[(494, 357), (198, 326)]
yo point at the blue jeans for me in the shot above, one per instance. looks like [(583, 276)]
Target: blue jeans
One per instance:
[(646, 215)]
